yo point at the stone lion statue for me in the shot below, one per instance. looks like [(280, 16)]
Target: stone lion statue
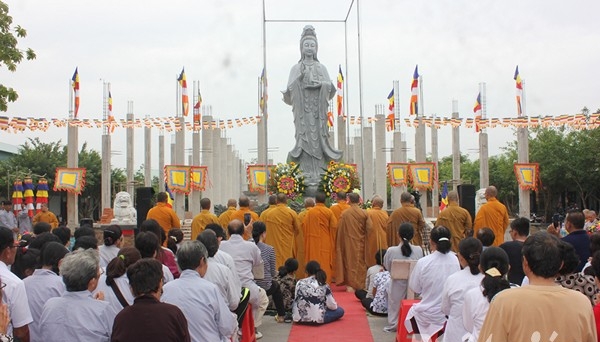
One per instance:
[(479, 199), (123, 209)]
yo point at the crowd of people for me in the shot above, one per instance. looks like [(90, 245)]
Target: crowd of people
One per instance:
[(166, 288)]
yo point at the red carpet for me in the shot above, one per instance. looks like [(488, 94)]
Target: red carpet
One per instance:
[(352, 327)]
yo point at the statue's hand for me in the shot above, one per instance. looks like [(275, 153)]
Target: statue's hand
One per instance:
[(313, 85)]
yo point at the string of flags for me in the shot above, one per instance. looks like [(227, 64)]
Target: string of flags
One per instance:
[(22, 196), (574, 121)]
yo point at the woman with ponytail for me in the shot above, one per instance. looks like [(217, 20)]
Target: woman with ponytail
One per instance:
[(113, 236), (397, 292), (428, 278), (458, 284), (313, 291), (494, 265), (114, 283)]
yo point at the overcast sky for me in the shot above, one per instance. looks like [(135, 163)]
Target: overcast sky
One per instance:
[(141, 46)]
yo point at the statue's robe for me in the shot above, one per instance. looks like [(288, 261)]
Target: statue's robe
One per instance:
[(351, 248)]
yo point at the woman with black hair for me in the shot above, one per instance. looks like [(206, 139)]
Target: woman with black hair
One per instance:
[(428, 278), (494, 264), (458, 284), (287, 283), (314, 291), (542, 310), (397, 292), (113, 237), (114, 282)]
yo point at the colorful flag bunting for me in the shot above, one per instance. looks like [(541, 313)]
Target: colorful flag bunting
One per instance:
[(414, 89), (185, 102), (197, 106), (340, 92), (75, 85), (519, 86)]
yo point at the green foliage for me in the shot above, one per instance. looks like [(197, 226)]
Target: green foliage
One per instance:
[(10, 54)]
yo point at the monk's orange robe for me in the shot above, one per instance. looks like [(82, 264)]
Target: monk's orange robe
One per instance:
[(239, 215), (494, 215), (377, 239), (165, 216), (457, 220), (201, 220), (282, 231), (406, 213), (225, 217), (318, 226), (353, 228), (337, 210)]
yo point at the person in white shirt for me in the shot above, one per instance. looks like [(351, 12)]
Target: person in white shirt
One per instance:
[(114, 283), (457, 284), (246, 256), (398, 288), (209, 318), (14, 291), (113, 237), (43, 284), (494, 264), (367, 292), (8, 218), (428, 278)]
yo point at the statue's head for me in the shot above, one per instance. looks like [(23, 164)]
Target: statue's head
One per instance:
[(122, 200), (309, 43)]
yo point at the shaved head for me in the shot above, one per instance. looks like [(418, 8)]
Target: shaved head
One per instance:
[(377, 202), (453, 196), (244, 201), (282, 198), (491, 191), (309, 202), (272, 199), (231, 202), (354, 198)]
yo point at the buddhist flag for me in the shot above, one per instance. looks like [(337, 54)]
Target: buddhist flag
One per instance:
[(340, 92), (111, 117), (390, 122), (185, 102), (414, 89), (75, 85), (329, 119), (170, 197), (197, 106), (519, 86), (477, 111), (444, 202)]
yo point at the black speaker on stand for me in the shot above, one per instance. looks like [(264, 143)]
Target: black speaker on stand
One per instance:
[(143, 199), (466, 198)]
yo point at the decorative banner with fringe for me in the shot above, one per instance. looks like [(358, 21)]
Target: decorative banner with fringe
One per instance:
[(17, 196), (178, 178), (528, 175), (199, 176), (69, 179), (41, 195), (28, 195), (398, 174), (422, 175), (257, 177)]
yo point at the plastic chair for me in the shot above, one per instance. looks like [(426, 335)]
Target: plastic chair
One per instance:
[(248, 334), (402, 335)]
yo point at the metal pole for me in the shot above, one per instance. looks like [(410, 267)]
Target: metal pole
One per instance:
[(360, 97)]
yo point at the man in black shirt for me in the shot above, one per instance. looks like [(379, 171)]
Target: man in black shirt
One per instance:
[(519, 230)]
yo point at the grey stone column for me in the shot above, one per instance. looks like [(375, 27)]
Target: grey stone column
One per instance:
[(207, 156), (456, 179), (369, 190), (380, 160), (130, 152)]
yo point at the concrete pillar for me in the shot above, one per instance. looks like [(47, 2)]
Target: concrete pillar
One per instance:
[(179, 202), (231, 177), (368, 188), (217, 171), (207, 156), (224, 171), (523, 157), (106, 172), (350, 153), (357, 155), (194, 199), (73, 162), (484, 171), (331, 137), (130, 153), (380, 160), (434, 158), (396, 158), (456, 179), (161, 161), (420, 138), (341, 137), (147, 156)]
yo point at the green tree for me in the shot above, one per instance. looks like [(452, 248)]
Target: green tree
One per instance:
[(10, 54)]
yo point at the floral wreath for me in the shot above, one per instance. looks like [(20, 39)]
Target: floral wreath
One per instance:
[(339, 177), (287, 179)]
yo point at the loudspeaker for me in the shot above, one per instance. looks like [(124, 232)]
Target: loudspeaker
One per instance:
[(466, 197), (143, 198)]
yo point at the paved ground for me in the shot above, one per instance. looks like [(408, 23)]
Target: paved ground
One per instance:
[(279, 332)]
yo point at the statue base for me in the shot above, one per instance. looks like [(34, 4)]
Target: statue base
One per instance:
[(310, 190)]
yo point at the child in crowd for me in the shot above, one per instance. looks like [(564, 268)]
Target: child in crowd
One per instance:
[(287, 284), (371, 272)]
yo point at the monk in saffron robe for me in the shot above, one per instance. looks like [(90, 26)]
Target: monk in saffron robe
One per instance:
[(377, 239), (299, 253), (456, 219), (492, 214), (225, 216), (244, 203), (204, 218), (353, 228), (406, 213), (338, 208), (272, 200), (318, 226), (283, 227)]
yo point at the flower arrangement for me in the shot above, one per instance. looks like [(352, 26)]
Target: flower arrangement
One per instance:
[(595, 227), (339, 177), (287, 179)]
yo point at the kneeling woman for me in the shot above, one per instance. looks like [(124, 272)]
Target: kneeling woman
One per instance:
[(314, 301)]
